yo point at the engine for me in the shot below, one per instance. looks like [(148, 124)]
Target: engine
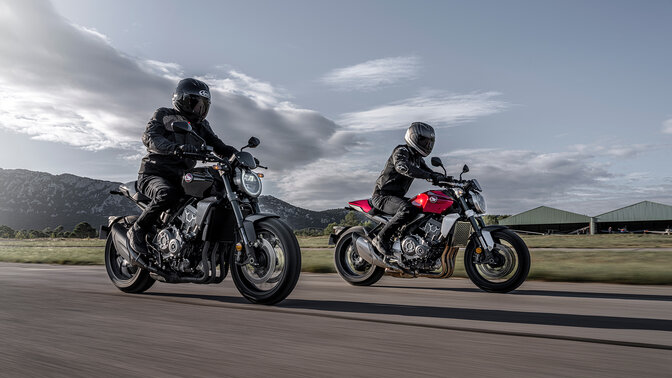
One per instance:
[(432, 230), (422, 248), (175, 243)]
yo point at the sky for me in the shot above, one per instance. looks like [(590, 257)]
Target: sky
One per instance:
[(564, 104)]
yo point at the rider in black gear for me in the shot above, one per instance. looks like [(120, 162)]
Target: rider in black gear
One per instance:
[(405, 164), (162, 168)]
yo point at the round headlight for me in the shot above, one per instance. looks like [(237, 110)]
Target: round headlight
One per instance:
[(478, 201), (248, 182)]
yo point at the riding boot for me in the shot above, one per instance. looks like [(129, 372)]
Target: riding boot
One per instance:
[(136, 238), (382, 244)]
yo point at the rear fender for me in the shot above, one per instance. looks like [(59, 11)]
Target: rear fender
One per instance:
[(105, 230), (340, 230)]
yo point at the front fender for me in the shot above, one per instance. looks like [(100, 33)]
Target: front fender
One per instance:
[(487, 234), (250, 220)]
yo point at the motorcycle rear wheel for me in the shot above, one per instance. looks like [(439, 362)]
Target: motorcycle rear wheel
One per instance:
[(350, 266), (511, 268), (278, 269), (124, 276)]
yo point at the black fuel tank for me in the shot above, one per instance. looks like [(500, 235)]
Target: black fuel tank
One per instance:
[(198, 182)]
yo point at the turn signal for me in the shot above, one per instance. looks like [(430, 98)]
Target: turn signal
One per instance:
[(260, 175), (239, 247), (479, 249)]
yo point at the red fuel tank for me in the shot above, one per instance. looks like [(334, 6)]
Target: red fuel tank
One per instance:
[(433, 201)]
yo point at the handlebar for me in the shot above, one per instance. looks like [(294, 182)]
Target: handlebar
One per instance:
[(453, 183), (208, 156)]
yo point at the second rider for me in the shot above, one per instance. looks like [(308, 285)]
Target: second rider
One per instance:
[(405, 164)]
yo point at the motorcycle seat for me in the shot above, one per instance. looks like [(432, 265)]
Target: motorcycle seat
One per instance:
[(130, 188), (374, 211), (366, 206)]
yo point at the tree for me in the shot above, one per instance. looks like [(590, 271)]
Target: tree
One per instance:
[(350, 220), (58, 232), (6, 232), (34, 234), (330, 228), (83, 230), (493, 219), (22, 234)]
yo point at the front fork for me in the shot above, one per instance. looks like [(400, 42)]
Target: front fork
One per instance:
[(484, 240), (248, 245)]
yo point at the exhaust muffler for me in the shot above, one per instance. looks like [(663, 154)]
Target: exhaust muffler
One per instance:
[(120, 241), (366, 251)]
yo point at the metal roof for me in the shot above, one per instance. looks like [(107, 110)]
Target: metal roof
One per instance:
[(545, 215), (642, 211)]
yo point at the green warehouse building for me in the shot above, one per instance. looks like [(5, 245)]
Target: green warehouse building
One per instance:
[(639, 217)]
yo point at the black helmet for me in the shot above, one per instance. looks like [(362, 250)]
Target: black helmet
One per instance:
[(192, 99), (420, 137)]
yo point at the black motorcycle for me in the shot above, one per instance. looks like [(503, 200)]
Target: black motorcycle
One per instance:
[(216, 225)]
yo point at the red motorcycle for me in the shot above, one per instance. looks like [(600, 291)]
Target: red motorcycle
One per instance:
[(496, 259)]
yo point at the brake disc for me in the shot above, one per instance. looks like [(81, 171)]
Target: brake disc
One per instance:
[(500, 270), (260, 274)]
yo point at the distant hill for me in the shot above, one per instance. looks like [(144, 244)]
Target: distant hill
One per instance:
[(36, 200)]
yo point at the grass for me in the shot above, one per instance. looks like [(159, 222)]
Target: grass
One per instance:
[(558, 241), (53, 251), (624, 265), (314, 241), (621, 266), (599, 241)]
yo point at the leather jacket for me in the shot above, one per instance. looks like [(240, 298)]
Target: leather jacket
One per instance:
[(401, 168), (162, 142)]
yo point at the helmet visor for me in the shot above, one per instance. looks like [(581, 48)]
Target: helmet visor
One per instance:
[(424, 143), (197, 105)]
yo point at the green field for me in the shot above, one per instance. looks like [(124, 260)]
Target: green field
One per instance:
[(559, 241), (53, 251), (622, 264)]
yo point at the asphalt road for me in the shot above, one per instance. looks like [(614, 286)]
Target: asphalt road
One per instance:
[(70, 321)]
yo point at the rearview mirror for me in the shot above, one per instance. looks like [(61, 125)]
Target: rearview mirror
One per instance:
[(253, 142), (465, 169), (437, 162), (181, 127)]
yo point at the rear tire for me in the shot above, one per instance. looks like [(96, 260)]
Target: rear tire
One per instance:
[(350, 266), (266, 284), (124, 276), (509, 273)]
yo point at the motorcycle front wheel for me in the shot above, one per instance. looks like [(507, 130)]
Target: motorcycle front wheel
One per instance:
[(273, 276), (124, 276), (509, 269), (352, 267)]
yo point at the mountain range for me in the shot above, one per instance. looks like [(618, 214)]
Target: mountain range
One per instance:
[(36, 200)]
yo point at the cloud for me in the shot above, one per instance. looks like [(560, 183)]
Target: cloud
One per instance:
[(667, 126), (328, 182), (373, 74), (578, 179), (619, 150), (67, 84), (437, 108)]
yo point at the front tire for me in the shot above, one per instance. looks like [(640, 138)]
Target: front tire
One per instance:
[(277, 271), (508, 272), (124, 276), (350, 266)]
